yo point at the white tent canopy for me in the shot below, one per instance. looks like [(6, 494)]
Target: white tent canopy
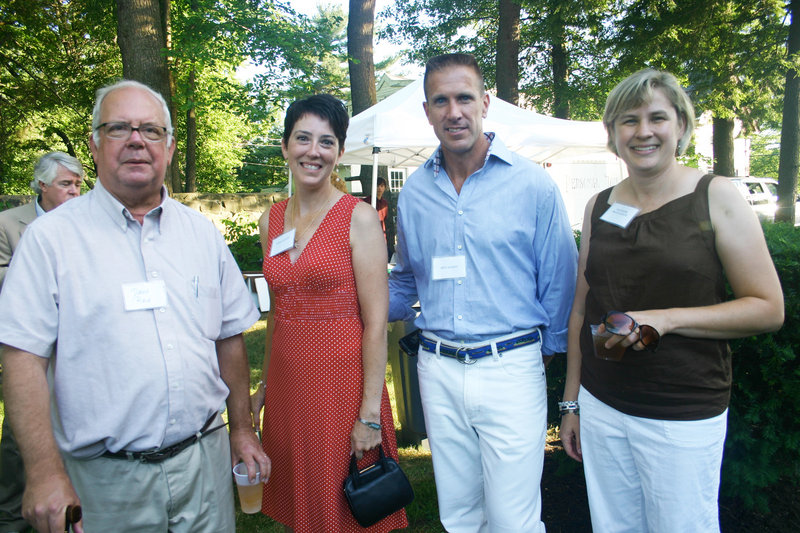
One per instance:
[(396, 133)]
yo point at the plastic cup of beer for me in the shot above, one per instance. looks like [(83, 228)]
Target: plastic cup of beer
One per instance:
[(614, 353), (249, 491)]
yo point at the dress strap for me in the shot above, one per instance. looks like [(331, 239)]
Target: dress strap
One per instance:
[(600, 204), (702, 211)]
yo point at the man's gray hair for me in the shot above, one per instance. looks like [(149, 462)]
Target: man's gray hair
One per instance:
[(122, 84), (46, 168)]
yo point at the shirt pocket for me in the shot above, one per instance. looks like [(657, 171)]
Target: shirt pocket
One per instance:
[(206, 308)]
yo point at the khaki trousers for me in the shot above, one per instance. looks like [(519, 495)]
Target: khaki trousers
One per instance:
[(189, 493)]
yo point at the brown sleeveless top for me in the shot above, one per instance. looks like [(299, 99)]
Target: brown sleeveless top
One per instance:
[(664, 259)]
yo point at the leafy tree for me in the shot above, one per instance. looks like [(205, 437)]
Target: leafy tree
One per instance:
[(727, 51), (142, 32), (563, 61), (765, 153), (53, 56)]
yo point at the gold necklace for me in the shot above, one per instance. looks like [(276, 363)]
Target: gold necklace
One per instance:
[(310, 223)]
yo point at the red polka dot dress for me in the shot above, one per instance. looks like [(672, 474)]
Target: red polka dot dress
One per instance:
[(314, 380)]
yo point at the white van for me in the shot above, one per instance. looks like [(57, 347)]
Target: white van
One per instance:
[(760, 193)]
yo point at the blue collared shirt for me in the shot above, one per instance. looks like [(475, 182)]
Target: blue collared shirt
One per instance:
[(510, 223)]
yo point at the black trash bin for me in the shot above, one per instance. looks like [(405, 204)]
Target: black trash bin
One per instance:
[(406, 387)]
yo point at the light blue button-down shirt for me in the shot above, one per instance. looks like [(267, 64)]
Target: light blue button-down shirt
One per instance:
[(510, 224)]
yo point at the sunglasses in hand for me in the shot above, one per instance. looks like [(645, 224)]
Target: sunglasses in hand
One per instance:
[(619, 323)]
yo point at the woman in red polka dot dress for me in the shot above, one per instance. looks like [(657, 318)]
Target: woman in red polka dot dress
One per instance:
[(323, 387)]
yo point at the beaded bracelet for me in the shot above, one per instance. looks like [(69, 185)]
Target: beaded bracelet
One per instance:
[(371, 425), (569, 407)]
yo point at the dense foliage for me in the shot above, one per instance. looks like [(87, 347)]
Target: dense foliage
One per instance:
[(763, 444), (243, 241)]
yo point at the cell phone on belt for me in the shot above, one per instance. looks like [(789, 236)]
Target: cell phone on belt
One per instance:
[(410, 343)]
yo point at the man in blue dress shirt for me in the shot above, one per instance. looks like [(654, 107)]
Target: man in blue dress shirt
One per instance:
[(485, 245)]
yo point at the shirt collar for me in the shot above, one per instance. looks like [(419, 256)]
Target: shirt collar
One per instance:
[(119, 213), (39, 209), (496, 148)]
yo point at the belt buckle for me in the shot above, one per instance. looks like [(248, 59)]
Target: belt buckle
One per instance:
[(464, 359)]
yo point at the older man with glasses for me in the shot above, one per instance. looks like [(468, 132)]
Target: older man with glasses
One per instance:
[(131, 331)]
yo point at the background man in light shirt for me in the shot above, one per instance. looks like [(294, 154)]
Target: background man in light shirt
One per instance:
[(128, 344), (57, 177), (484, 243)]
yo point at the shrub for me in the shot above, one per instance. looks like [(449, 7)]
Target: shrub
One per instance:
[(763, 444), (243, 241)]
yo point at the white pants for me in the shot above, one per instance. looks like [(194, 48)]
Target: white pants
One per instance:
[(189, 493), (647, 475), (486, 423)]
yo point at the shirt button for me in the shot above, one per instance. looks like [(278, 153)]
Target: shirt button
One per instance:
[(460, 212), (172, 421), (169, 346), (163, 310), (154, 274), (460, 247), (459, 317), (459, 282)]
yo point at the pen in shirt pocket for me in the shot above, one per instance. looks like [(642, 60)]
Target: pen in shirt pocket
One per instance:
[(196, 286)]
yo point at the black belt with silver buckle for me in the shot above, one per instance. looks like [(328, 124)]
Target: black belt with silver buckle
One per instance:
[(467, 355), (158, 456)]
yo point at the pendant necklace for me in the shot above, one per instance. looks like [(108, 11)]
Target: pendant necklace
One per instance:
[(310, 223)]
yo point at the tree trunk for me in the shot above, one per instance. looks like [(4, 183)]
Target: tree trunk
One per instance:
[(191, 138), (790, 129), (507, 56), (142, 40), (191, 122), (723, 146), (360, 27), (173, 174), (560, 57)]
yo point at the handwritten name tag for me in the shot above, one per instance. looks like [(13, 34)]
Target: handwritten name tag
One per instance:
[(144, 295)]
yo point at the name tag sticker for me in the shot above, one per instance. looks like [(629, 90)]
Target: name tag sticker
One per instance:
[(144, 295), (450, 267), (281, 243), (620, 214)]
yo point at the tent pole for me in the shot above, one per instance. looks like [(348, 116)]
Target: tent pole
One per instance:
[(375, 152)]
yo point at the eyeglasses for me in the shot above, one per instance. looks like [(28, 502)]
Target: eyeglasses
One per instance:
[(620, 323), (121, 131)]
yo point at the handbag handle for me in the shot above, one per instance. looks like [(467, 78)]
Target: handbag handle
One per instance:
[(354, 466)]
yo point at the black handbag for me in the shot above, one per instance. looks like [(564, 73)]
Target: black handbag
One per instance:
[(376, 491)]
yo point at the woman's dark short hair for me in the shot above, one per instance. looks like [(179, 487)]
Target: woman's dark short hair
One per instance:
[(323, 106)]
